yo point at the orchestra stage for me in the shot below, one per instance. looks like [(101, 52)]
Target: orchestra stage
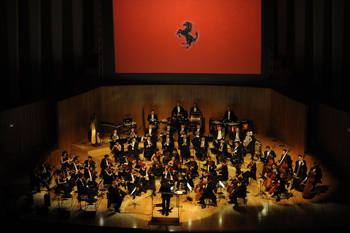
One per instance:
[(328, 209)]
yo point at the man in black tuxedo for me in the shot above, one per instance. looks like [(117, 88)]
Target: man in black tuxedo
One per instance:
[(165, 189), (152, 118), (230, 115)]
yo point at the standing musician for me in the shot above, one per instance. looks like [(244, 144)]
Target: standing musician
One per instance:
[(152, 118), (64, 160), (285, 165), (300, 173), (314, 177), (205, 190), (178, 113), (229, 115), (115, 195)]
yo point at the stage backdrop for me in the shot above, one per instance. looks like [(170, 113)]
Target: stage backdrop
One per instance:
[(224, 36)]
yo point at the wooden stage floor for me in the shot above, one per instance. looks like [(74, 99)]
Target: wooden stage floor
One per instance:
[(329, 209)]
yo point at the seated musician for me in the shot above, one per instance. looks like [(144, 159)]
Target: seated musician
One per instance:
[(84, 189), (108, 175), (89, 162), (237, 156), (118, 151), (113, 138), (133, 149), (222, 171), (221, 151), (132, 180), (205, 190), (106, 162), (149, 148), (62, 184), (237, 190), (115, 195), (209, 166), (184, 146), (168, 144), (201, 147), (183, 130), (90, 176)]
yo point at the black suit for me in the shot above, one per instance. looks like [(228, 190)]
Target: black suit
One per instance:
[(115, 195), (230, 116), (165, 189)]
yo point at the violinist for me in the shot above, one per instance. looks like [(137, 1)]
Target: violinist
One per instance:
[(62, 184), (156, 167), (90, 176), (237, 189), (84, 189), (105, 162), (205, 190), (115, 195), (108, 175), (64, 160), (132, 179), (90, 162), (300, 172)]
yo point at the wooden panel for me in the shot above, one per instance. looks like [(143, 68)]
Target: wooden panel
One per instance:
[(248, 102), (289, 122)]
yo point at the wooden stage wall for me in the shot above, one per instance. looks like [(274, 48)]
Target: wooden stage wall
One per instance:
[(286, 120)]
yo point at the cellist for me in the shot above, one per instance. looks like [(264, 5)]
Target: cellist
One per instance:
[(205, 189)]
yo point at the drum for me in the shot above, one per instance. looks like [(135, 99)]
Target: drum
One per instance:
[(164, 121), (246, 125), (231, 126)]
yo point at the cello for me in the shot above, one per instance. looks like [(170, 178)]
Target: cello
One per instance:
[(199, 188), (309, 185)]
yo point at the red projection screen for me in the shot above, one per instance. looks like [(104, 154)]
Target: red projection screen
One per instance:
[(223, 37), (229, 36)]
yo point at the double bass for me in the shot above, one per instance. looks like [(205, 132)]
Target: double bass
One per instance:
[(309, 185)]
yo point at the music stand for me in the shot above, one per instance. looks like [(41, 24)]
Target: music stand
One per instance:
[(134, 203)]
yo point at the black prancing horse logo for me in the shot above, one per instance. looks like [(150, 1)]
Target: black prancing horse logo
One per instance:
[(186, 33)]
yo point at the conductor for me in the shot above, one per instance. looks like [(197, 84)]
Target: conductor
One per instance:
[(166, 190)]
